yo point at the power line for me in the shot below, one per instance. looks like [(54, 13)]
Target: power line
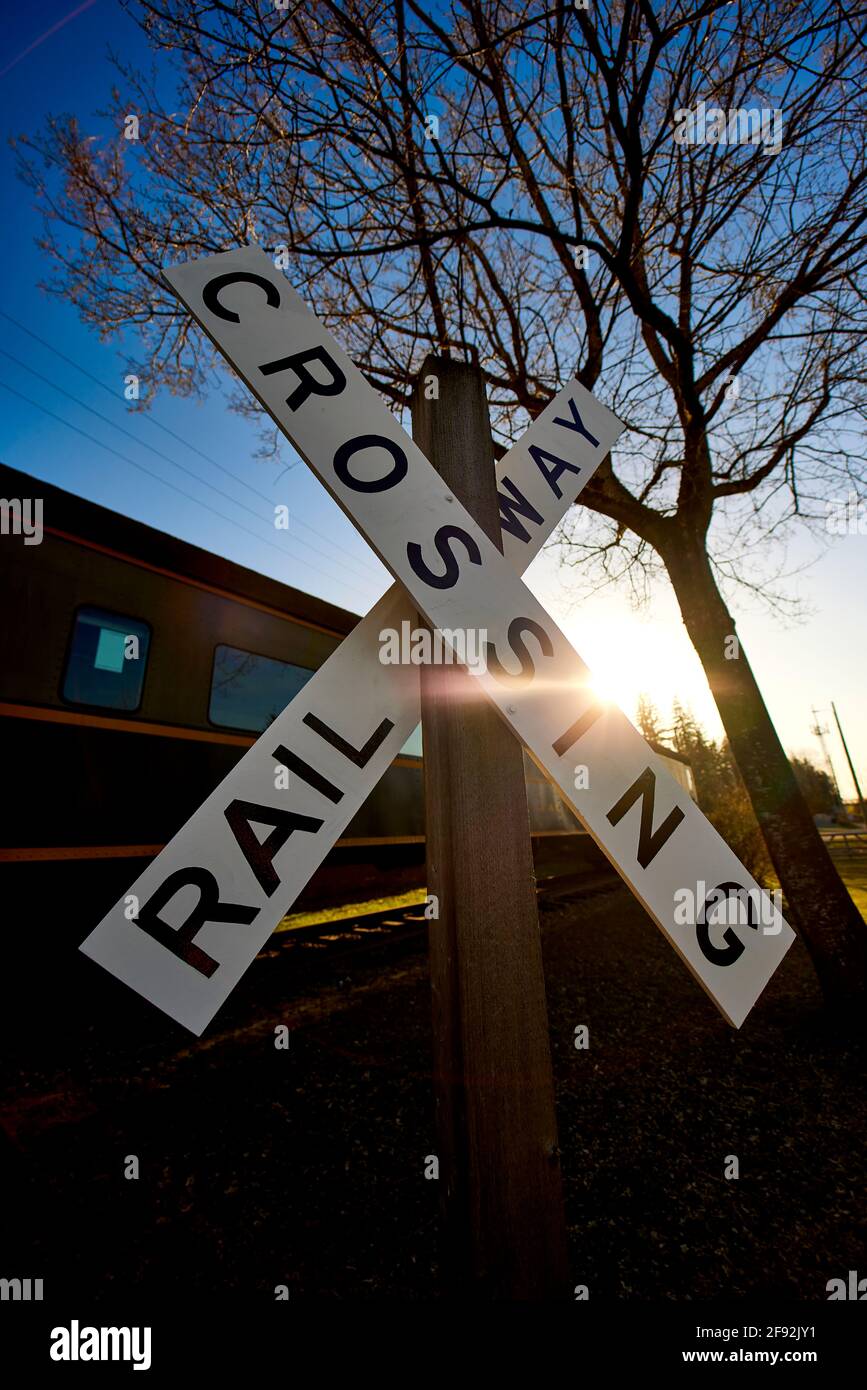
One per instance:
[(70, 361), (126, 459), (159, 454), (122, 430)]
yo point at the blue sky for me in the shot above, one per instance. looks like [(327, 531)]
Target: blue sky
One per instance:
[(823, 658), (335, 563)]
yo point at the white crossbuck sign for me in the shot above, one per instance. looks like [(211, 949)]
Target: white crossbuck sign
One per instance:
[(208, 902)]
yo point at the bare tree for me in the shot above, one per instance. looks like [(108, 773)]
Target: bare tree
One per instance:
[(522, 183)]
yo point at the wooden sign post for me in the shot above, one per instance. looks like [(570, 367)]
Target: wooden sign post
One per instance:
[(496, 1128)]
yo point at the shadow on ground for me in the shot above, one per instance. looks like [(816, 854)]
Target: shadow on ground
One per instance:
[(305, 1167)]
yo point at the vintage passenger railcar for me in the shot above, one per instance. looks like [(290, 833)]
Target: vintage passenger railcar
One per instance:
[(106, 757)]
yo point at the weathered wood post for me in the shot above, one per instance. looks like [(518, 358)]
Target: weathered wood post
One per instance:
[(497, 1135)]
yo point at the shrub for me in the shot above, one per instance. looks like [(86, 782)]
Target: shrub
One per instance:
[(734, 818)]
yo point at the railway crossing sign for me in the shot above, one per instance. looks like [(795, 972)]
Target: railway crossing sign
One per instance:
[(198, 915), (207, 903)]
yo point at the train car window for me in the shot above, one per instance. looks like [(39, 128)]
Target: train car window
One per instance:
[(412, 747), (107, 659), (249, 691)]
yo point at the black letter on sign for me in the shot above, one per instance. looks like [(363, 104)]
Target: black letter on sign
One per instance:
[(528, 665), (211, 292), (715, 897), (453, 569), (576, 423), (551, 474), (180, 941), (307, 773), (359, 756), (513, 507), (370, 441), (309, 385), (650, 841), (577, 730), (260, 854)]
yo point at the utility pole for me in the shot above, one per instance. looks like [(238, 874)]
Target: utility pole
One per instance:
[(501, 1192), (820, 733), (851, 765)]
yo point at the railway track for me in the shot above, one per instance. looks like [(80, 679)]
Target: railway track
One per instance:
[(357, 932)]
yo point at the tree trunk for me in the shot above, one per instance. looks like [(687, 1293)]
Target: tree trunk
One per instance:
[(818, 905)]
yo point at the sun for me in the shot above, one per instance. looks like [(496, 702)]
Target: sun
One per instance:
[(630, 656)]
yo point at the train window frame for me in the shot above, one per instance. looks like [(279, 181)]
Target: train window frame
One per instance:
[(124, 619), (416, 759), (265, 656)]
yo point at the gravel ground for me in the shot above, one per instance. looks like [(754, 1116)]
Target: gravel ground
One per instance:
[(305, 1166)]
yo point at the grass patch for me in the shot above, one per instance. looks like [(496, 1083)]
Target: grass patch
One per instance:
[(414, 898)]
